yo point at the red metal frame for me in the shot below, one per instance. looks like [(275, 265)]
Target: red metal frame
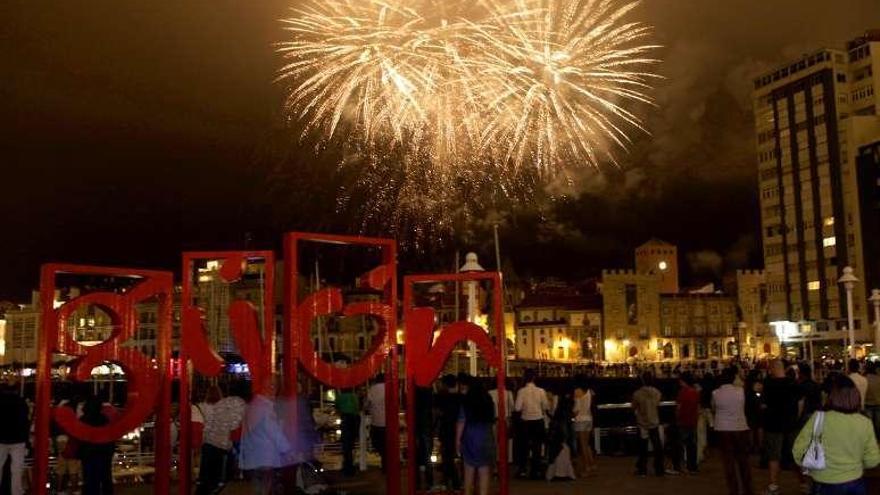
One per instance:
[(150, 383), (426, 357), (195, 349), (299, 348), (149, 387)]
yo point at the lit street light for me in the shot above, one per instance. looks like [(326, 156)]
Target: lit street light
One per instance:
[(472, 265), (849, 282)]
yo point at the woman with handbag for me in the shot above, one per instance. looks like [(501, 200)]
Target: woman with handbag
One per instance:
[(838, 444)]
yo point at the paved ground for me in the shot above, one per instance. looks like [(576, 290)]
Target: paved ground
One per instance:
[(615, 476)]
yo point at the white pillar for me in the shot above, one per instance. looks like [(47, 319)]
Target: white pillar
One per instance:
[(472, 317), (850, 322), (849, 282)]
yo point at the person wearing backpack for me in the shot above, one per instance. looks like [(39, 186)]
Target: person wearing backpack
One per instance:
[(838, 444)]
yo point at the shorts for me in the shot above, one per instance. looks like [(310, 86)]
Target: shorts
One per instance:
[(582, 426), (778, 445), (69, 467)]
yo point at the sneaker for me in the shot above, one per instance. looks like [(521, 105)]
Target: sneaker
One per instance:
[(772, 490), (641, 474), (694, 472), (672, 472)]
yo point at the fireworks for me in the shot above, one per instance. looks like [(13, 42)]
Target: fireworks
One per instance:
[(465, 90)]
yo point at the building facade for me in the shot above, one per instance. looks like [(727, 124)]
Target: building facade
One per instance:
[(559, 328), (22, 325), (698, 326), (630, 314), (756, 337), (659, 258), (811, 116)]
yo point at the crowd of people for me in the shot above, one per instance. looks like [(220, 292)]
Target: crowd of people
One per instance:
[(770, 414), (779, 412)]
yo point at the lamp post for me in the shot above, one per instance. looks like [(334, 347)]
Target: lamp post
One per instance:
[(875, 300), (849, 282), (472, 265)]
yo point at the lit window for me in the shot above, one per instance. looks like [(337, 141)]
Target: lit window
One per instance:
[(829, 241), (829, 221), (814, 285)]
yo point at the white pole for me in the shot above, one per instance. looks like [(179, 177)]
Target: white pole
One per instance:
[(472, 314), (849, 317)]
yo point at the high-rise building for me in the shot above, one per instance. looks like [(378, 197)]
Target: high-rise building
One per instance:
[(812, 115)]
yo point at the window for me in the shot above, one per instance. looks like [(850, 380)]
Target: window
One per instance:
[(841, 77), (829, 242), (814, 285)]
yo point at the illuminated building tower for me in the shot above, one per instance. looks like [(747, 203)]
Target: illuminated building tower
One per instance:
[(659, 258), (812, 116)]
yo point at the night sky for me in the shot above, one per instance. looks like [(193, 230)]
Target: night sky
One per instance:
[(130, 131)]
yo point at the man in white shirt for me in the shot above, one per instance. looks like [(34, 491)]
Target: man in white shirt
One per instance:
[(532, 404), (376, 407), (860, 381)]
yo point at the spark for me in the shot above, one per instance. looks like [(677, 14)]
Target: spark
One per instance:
[(445, 94)]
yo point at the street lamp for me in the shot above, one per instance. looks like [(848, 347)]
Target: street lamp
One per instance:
[(875, 300), (472, 265), (849, 282)]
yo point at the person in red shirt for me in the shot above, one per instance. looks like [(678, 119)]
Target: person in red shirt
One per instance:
[(686, 416)]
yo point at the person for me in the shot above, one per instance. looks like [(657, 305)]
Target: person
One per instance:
[(198, 411), (224, 415), (263, 442), (97, 458), (509, 402), (810, 392), (559, 444), (754, 389), (297, 472), (532, 404), (646, 406), (509, 405), (14, 429), (872, 396), (424, 429), (448, 401), (68, 466), (781, 414), (847, 439), (687, 416), (349, 410), (474, 438), (860, 381), (376, 407), (728, 405), (583, 426)]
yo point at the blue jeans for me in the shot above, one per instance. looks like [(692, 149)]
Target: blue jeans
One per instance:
[(855, 487)]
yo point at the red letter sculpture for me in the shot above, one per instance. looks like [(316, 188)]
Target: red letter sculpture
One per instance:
[(148, 387), (255, 346), (299, 347), (426, 357)]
